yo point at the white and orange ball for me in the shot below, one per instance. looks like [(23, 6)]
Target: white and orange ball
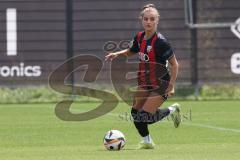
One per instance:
[(114, 140)]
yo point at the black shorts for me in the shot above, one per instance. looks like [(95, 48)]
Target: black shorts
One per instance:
[(156, 89)]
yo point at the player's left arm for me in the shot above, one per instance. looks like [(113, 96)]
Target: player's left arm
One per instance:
[(174, 72)]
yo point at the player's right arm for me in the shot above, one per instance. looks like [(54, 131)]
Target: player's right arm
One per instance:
[(125, 52), (133, 48)]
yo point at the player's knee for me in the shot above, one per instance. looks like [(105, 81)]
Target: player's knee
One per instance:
[(150, 110)]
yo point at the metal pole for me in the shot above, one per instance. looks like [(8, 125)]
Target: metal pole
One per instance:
[(194, 51), (210, 25), (190, 19), (69, 37)]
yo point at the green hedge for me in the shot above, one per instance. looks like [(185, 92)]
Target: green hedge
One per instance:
[(220, 92), (209, 92), (29, 95), (44, 94)]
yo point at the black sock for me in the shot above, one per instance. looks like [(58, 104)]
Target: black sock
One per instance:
[(143, 118), (157, 116), (141, 126)]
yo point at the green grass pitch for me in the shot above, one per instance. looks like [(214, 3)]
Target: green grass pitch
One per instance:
[(210, 131)]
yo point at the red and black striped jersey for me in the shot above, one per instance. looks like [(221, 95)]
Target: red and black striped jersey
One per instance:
[(153, 51), (161, 47)]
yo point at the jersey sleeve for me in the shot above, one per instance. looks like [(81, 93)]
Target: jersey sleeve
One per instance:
[(134, 46), (164, 50)]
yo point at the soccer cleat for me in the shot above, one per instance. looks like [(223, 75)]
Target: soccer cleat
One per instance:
[(143, 145), (176, 115)]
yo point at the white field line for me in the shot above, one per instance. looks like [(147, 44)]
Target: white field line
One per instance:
[(212, 127), (195, 124), (183, 123)]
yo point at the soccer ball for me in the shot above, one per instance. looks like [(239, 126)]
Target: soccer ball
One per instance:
[(114, 140)]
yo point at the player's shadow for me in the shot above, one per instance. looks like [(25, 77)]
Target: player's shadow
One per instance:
[(122, 150)]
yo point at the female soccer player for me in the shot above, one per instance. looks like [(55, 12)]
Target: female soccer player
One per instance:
[(154, 53)]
